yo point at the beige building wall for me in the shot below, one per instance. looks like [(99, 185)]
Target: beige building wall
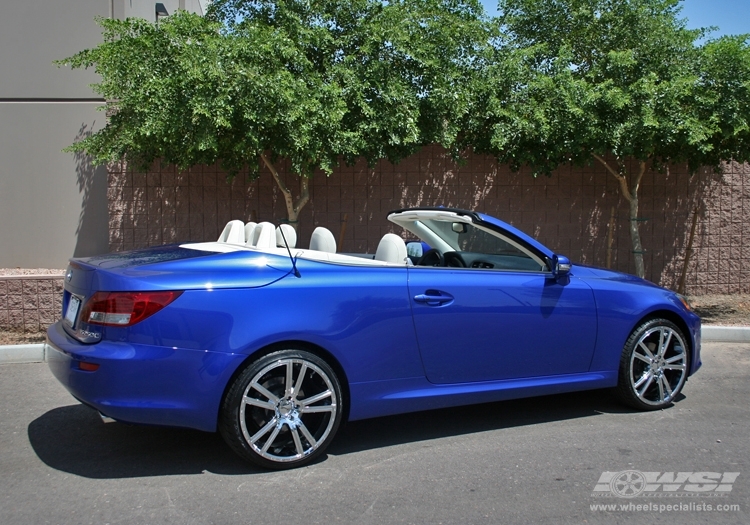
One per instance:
[(50, 202), (53, 205)]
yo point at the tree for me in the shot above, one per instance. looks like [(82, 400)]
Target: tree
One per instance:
[(581, 81), (308, 81)]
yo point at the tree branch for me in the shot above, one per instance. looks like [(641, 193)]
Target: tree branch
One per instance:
[(637, 182), (284, 190), (304, 194), (620, 178), (275, 174), (606, 165)]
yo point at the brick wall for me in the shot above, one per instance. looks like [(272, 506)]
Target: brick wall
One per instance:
[(569, 211), (30, 303)]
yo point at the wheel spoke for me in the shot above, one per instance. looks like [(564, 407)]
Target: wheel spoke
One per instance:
[(643, 358), (297, 442), (260, 388), (300, 379), (317, 409), (642, 379), (672, 359), (666, 386), (288, 381), (645, 387), (309, 437), (681, 366), (661, 342), (646, 350), (268, 405), (263, 431), (663, 347), (661, 389), (315, 399), (271, 439)]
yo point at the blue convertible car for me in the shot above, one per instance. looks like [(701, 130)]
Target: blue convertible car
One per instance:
[(274, 346)]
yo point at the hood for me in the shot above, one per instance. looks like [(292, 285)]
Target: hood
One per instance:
[(592, 272)]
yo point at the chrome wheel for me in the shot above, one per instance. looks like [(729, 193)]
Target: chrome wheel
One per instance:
[(654, 365), (283, 411)]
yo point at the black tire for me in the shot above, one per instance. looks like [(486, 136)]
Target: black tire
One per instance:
[(273, 417), (653, 365)]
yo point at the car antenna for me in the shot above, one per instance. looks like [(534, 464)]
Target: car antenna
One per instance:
[(293, 259)]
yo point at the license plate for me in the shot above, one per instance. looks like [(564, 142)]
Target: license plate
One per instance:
[(72, 311)]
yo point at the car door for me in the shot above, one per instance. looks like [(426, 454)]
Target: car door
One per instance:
[(484, 325)]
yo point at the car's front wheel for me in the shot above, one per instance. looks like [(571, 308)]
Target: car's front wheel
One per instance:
[(283, 410), (653, 366)]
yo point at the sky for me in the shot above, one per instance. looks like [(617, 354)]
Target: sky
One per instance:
[(732, 17)]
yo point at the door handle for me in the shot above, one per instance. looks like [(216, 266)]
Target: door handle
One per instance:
[(434, 298)]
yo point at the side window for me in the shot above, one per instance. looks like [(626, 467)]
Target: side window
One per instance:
[(482, 249), (479, 241), (476, 247)]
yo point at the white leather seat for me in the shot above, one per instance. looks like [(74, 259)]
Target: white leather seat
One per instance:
[(249, 228), (264, 236), (233, 233), (392, 249), (323, 240), (290, 234)]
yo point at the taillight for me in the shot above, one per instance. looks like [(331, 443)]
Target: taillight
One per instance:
[(124, 308)]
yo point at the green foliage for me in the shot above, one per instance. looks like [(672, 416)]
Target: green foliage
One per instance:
[(579, 81), (309, 81), (623, 78), (722, 101)]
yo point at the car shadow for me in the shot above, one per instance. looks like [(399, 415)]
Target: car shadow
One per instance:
[(73, 439), (422, 426)]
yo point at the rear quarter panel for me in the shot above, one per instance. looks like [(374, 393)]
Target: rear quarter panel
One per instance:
[(361, 316)]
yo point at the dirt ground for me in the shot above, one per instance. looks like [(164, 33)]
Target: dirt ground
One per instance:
[(721, 310)]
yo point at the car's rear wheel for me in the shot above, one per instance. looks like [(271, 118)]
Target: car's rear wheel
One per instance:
[(653, 366), (283, 410)]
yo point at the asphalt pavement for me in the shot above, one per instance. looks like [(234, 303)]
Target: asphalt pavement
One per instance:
[(573, 458)]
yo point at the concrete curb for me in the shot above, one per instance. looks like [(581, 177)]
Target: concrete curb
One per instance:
[(37, 353), (11, 354), (726, 334)]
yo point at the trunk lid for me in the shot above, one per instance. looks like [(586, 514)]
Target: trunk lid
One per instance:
[(162, 268)]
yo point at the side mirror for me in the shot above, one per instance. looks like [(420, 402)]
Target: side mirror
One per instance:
[(560, 266)]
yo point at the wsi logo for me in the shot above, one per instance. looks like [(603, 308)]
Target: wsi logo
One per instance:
[(632, 483)]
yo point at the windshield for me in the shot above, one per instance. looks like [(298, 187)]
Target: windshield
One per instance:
[(470, 239)]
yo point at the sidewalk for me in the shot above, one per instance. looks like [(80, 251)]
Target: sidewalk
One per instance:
[(36, 353)]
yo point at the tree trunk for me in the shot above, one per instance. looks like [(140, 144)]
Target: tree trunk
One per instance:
[(292, 208), (635, 237), (631, 194)]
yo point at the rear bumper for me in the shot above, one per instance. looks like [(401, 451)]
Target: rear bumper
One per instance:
[(145, 384)]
